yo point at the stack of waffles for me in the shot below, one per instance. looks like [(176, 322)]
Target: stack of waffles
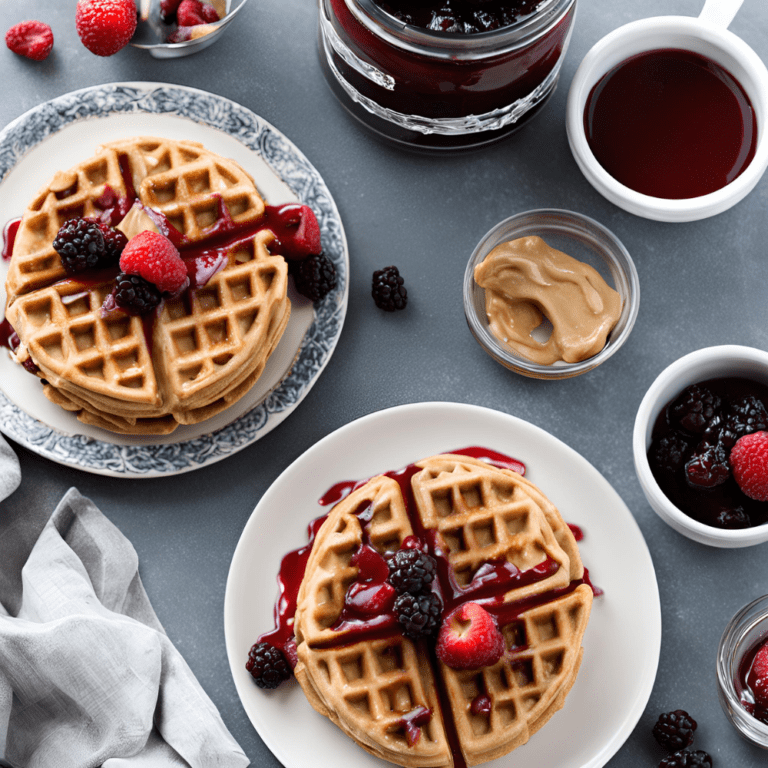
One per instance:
[(391, 694), (201, 351)]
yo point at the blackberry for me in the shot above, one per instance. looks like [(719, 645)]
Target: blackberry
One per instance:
[(671, 452), (388, 290), (687, 759), (694, 409), (747, 415), (674, 730), (314, 277), (114, 242), (135, 295), (708, 466), (411, 571), (80, 245), (720, 430), (267, 665), (419, 615), (732, 517)]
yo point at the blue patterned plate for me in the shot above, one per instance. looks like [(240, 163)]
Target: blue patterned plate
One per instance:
[(66, 130)]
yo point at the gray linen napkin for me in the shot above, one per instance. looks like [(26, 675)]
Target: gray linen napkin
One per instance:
[(87, 675)]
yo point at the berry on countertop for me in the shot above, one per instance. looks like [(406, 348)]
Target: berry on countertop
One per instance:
[(708, 466), (190, 13), (31, 39), (388, 290), (80, 245), (155, 258), (267, 665), (749, 461), (674, 730), (687, 759), (105, 26), (315, 277), (469, 638), (694, 409), (135, 295), (419, 615), (412, 571), (757, 679)]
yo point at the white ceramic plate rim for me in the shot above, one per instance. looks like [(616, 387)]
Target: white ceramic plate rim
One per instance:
[(422, 429), (84, 447)]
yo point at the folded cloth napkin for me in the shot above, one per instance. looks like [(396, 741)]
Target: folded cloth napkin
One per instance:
[(88, 677)]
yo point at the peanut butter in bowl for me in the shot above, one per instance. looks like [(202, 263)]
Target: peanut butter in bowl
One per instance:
[(529, 285)]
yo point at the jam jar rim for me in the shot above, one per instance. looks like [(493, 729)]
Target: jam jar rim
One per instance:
[(457, 46)]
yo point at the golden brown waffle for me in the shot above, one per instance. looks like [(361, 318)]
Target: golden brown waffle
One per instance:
[(201, 351), (476, 514)]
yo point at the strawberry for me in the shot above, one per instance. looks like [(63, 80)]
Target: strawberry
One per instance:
[(469, 638), (31, 39), (190, 13), (757, 678), (155, 258), (749, 464), (105, 26), (298, 232)]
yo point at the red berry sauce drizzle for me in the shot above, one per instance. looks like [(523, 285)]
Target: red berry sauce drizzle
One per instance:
[(368, 612), (745, 680), (9, 238)]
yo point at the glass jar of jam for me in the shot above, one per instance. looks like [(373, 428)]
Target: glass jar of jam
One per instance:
[(443, 89)]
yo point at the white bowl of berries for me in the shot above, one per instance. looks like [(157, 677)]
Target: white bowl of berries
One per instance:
[(700, 446)]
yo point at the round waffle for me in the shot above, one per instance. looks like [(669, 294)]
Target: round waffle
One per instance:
[(199, 352), (391, 694)]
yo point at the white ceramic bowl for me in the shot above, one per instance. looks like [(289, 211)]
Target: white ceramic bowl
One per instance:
[(707, 363), (708, 36)]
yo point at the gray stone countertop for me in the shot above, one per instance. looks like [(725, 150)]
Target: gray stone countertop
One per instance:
[(702, 284)]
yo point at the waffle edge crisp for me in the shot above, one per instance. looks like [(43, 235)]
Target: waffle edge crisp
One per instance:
[(366, 685), (205, 350)]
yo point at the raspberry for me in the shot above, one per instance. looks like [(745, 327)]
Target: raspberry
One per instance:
[(388, 290), (411, 571), (190, 13), (757, 679), (674, 730), (31, 39), (155, 258), (671, 452), (80, 245), (315, 277), (419, 615), (708, 466), (469, 638), (749, 459), (694, 409), (687, 759), (105, 26), (267, 665), (135, 295), (168, 10)]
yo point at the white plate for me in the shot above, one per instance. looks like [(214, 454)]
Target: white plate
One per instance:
[(622, 641), (61, 132)]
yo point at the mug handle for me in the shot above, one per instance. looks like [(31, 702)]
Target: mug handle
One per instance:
[(720, 12)]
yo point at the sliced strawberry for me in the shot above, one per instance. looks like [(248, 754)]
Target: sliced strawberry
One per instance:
[(469, 638)]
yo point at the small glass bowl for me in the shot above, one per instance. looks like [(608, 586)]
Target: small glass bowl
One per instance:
[(746, 629), (583, 239), (151, 33)]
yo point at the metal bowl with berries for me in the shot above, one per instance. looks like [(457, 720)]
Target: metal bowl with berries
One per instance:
[(700, 446)]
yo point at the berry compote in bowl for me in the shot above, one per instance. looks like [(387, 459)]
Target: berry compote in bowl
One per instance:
[(444, 74), (685, 431), (742, 660)]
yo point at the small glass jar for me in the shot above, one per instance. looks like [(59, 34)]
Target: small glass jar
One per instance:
[(747, 629), (441, 90)]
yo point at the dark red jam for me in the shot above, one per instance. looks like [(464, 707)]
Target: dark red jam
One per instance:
[(745, 680), (448, 86), (690, 448), (671, 124), (464, 17), (9, 238)]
